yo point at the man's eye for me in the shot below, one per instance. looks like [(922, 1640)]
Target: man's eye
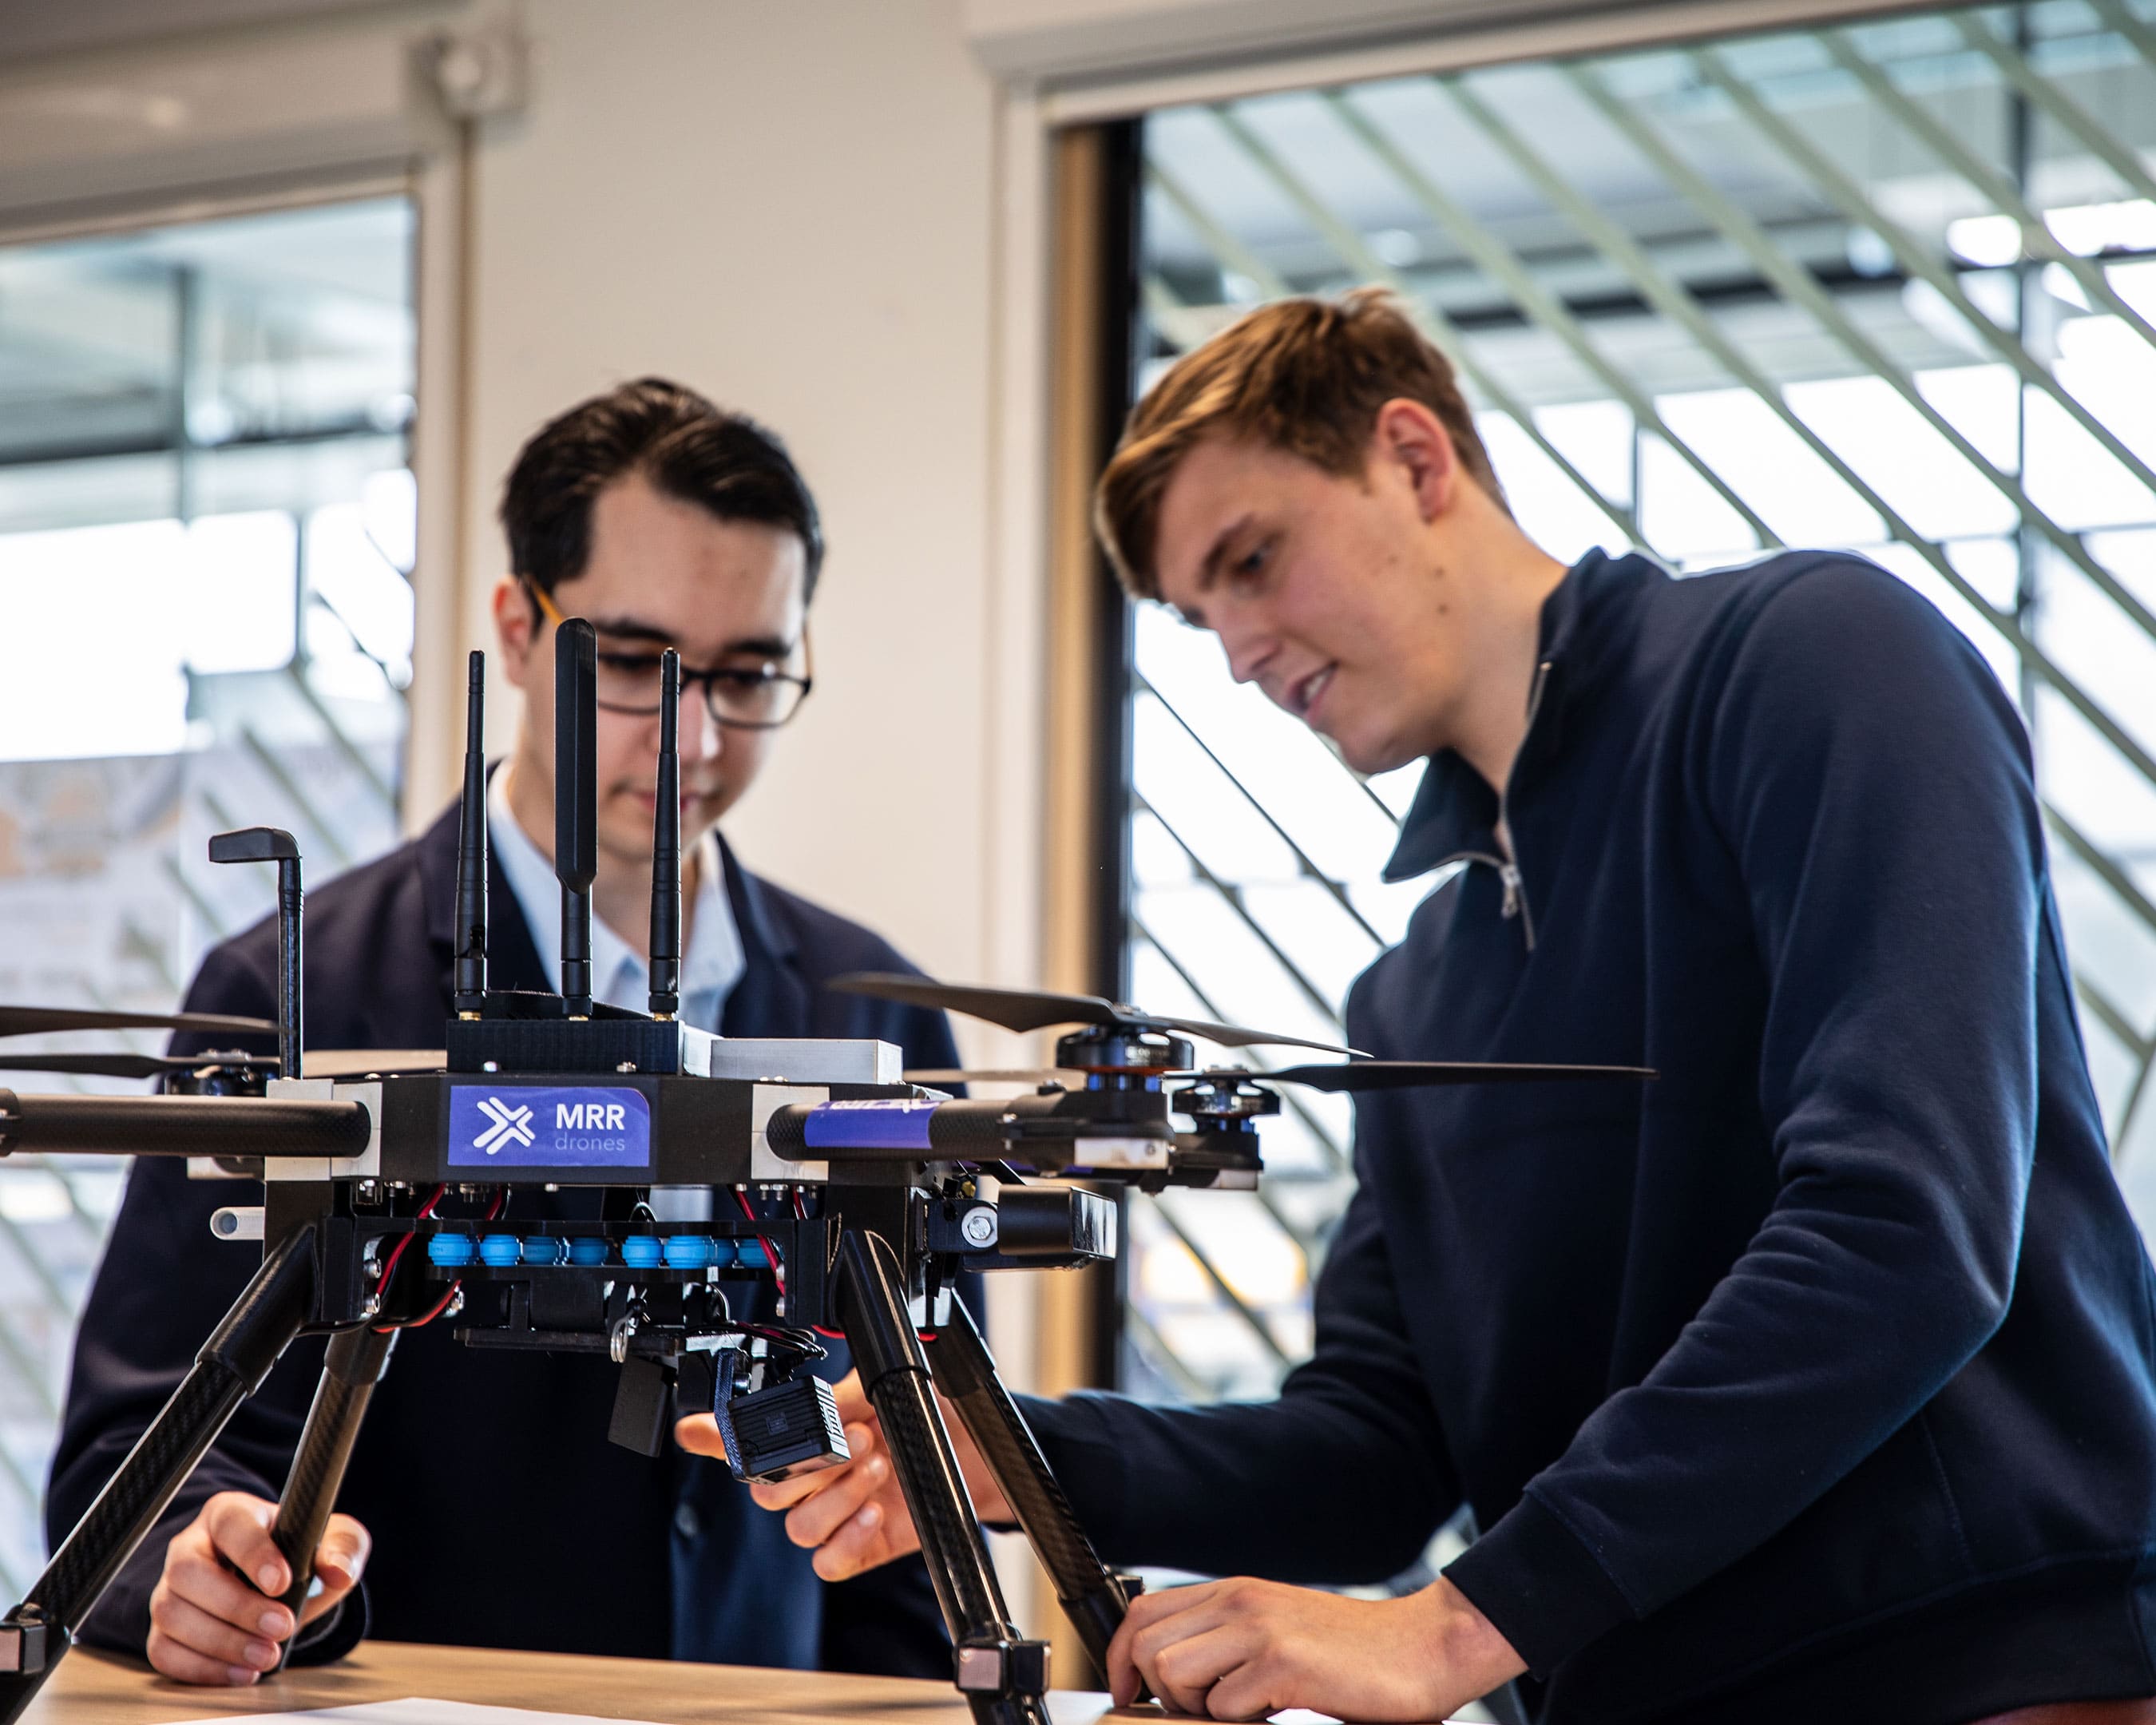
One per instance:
[(632, 665), (752, 676), (1252, 562)]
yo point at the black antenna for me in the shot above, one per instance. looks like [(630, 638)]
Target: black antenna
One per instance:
[(576, 803), (471, 850), (270, 844), (667, 846)]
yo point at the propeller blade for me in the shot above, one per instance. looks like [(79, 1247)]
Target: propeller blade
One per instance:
[(37, 1020), (1026, 1009), (126, 1065), (1014, 1008), (1070, 1077), (1236, 1036), (1409, 1075), (358, 1062)]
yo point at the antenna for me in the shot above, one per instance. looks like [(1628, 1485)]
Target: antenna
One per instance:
[(667, 846), (471, 850), (576, 803), (269, 845)]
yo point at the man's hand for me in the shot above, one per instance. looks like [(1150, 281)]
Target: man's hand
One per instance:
[(854, 1516), (1240, 1649), (207, 1624)]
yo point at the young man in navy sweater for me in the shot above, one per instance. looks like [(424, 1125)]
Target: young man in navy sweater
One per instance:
[(1815, 1380)]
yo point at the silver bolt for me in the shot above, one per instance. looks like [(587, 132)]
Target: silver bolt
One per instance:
[(978, 1227)]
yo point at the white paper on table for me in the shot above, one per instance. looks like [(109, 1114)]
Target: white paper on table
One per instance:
[(1067, 1707), (415, 1710)]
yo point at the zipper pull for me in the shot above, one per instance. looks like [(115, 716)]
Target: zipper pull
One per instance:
[(1509, 873)]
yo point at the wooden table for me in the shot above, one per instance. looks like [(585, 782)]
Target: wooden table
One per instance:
[(98, 1689)]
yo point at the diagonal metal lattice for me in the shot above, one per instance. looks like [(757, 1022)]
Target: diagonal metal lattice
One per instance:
[(1890, 286), (194, 417)]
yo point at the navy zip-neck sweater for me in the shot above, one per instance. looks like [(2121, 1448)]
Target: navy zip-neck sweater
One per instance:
[(1815, 1380)]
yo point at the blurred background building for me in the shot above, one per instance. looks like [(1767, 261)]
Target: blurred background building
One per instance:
[(284, 285)]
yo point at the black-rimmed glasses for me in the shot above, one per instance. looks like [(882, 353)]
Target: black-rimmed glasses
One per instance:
[(747, 697)]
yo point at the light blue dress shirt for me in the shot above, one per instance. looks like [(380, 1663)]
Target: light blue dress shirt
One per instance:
[(621, 975)]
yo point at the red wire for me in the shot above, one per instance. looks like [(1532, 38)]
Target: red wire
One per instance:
[(439, 1307), (770, 1256), (397, 1251), (500, 1203)]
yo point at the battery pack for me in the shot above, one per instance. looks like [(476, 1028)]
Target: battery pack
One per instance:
[(790, 1428)]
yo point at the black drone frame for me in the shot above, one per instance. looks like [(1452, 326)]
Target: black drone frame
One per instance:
[(897, 1173)]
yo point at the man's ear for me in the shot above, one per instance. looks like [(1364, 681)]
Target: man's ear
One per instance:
[(1415, 442), (514, 626)]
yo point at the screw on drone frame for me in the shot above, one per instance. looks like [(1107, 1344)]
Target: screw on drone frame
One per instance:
[(667, 846), (576, 802), (269, 845), (471, 985)]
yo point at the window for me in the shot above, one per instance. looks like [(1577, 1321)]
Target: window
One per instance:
[(206, 547)]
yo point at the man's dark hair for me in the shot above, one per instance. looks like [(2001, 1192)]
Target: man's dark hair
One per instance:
[(683, 445)]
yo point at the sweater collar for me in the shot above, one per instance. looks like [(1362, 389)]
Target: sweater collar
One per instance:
[(1455, 809)]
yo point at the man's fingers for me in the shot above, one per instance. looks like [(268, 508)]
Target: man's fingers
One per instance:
[(815, 1520), (699, 1435), (853, 1403), (873, 1537), (861, 1440), (238, 1527), (189, 1627), (1127, 1663), (1183, 1673), (339, 1560), (197, 1576), (183, 1665), (784, 1494)]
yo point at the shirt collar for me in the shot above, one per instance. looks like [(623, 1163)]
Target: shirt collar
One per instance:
[(1455, 808), (621, 975)]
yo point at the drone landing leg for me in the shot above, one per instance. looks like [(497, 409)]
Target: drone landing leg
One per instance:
[(1003, 1677), (354, 1364), (1093, 1596), (37, 1634)]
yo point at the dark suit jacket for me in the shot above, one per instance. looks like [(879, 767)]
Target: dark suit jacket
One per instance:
[(501, 1516)]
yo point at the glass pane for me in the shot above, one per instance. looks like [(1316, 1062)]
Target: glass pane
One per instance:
[(206, 516)]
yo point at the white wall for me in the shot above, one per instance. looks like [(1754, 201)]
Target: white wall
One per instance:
[(789, 208), (1079, 38)]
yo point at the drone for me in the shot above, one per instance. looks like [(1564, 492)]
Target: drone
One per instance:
[(862, 1193)]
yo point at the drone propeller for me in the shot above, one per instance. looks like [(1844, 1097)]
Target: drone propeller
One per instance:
[(1352, 1076), (128, 1065), (1359, 1076), (324, 1063), (1068, 1076), (1029, 1010), (38, 1020)]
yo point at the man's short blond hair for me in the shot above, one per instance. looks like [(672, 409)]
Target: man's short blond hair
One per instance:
[(1306, 375)]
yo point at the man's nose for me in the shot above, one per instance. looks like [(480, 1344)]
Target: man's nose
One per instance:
[(701, 736), (1249, 650)]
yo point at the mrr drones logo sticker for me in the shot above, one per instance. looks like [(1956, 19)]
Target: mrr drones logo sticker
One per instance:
[(548, 1125), (512, 1125)]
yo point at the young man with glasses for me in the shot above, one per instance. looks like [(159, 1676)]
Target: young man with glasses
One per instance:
[(1815, 1380), (484, 1501)]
